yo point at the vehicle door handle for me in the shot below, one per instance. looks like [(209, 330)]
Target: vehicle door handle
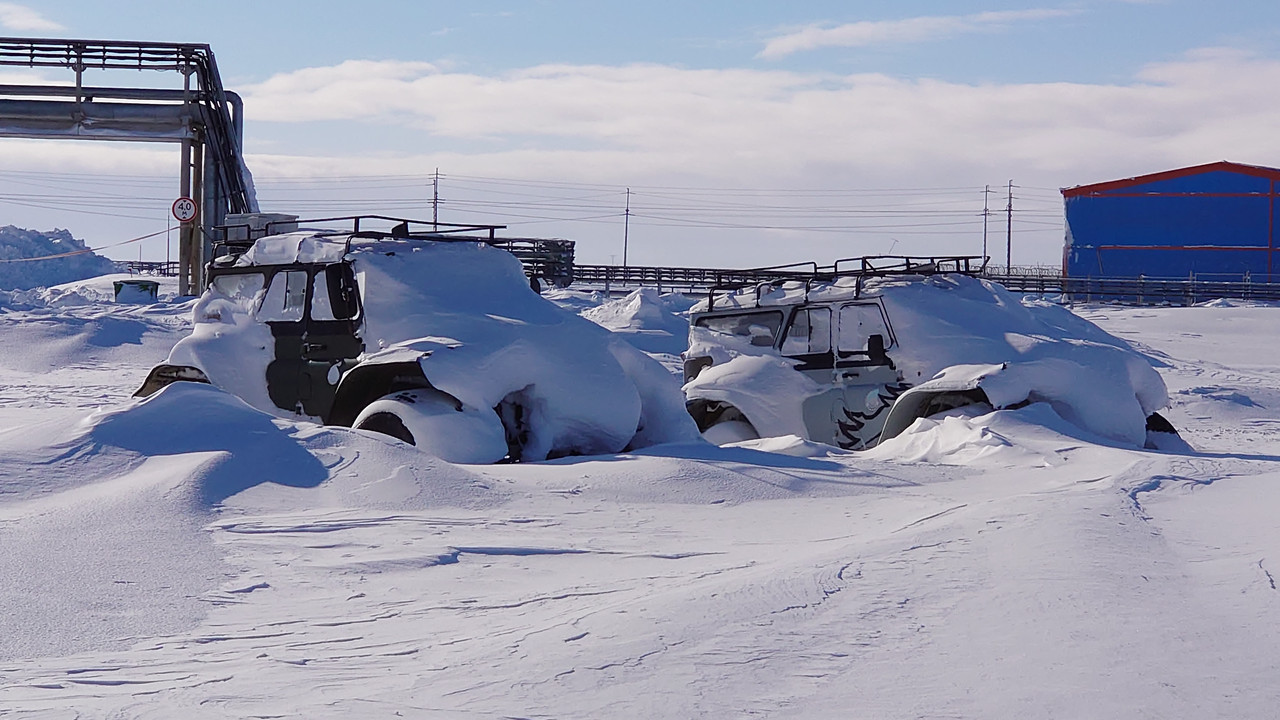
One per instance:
[(312, 347)]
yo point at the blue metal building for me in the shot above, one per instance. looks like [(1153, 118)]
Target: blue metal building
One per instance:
[(1210, 222)]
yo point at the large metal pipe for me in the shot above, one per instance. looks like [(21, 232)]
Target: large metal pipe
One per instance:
[(93, 93), (94, 120), (237, 124)]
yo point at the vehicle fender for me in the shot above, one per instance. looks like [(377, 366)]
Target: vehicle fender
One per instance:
[(767, 390), (370, 381), (165, 374), (959, 385)]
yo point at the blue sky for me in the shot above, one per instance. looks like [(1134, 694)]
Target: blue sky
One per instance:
[(1100, 41), (749, 132)]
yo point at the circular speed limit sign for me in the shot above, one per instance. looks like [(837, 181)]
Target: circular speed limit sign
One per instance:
[(184, 209)]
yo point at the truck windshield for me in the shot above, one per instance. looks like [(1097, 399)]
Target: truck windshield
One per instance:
[(761, 328)]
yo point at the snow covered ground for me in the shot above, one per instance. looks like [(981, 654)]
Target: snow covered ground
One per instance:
[(192, 557)]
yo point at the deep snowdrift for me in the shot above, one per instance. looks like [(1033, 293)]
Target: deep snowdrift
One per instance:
[(191, 556), (650, 321), (17, 244)]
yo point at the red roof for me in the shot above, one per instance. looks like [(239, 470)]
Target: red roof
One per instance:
[(1221, 166)]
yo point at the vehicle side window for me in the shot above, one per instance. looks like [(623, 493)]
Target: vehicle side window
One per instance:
[(340, 290), (240, 288), (286, 297), (760, 327), (857, 323), (810, 332), (321, 303)]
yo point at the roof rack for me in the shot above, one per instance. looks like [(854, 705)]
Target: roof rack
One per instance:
[(549, 259), (860, 268)]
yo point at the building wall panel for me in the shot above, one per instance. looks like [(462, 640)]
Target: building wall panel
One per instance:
[(1202, 264), (1165, 220), (1215, 222)]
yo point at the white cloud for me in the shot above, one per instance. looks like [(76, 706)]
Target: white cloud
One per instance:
[(726, 128), (753, 126), (909, 30), (21, 18)]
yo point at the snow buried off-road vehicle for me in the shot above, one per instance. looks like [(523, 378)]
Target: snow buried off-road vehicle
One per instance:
[(851, 355), (429, 337)]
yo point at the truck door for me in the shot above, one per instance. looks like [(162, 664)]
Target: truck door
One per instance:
[(314, 316), (808, 341), (866, 376)]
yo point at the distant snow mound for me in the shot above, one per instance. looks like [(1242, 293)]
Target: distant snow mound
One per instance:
[(574, 300), (647, 320), (16, 244), (96, 290)]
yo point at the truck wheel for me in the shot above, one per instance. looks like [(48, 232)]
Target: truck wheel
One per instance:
[(387, 424), (437, 423), (721, 423), (730, 431)]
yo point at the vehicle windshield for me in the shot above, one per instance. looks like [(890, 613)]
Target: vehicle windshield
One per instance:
[(761, 328)]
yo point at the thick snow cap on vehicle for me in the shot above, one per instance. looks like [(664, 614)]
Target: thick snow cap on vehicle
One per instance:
[(1030, 349), (465, 311), (1044, 352), (491, 336), (295, 247)]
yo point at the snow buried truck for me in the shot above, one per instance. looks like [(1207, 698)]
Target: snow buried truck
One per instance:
[(853, 354), (433, 338)]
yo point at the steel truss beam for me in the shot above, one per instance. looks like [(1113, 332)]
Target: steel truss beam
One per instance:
[(203, 117)]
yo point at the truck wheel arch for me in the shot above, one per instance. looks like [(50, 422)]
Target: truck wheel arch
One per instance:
[(364, 384), (917, 403)]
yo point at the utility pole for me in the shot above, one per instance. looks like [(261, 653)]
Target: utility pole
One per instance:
[(1008, 237), (435, 200), (986, 211), (626, 227)]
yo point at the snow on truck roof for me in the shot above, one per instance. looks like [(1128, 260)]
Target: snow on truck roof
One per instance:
[(316, 247), (303, 246)]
